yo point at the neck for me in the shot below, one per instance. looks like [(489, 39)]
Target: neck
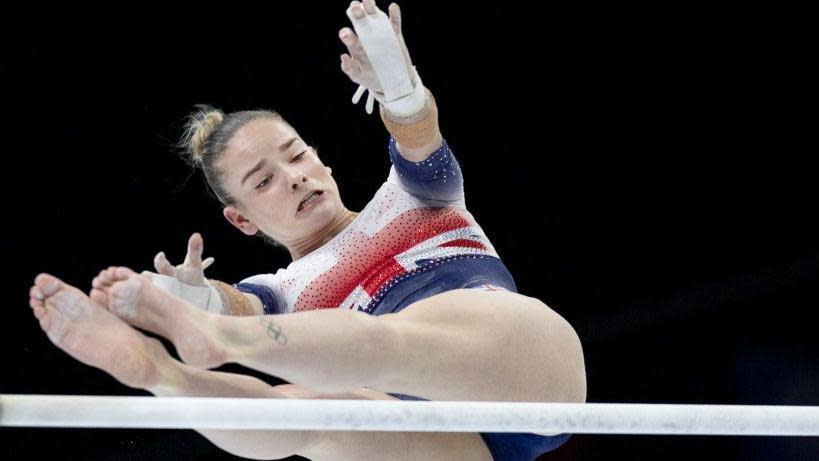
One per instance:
[(315, 241)]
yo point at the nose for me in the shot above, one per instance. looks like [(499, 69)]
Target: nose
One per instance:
[(297, 178)]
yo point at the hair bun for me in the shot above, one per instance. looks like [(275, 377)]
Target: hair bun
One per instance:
[(201, 124)]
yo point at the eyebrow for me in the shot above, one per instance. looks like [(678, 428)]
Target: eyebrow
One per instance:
[(256, 168), (283, 147), (286, 145)]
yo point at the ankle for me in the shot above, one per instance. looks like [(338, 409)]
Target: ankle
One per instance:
[(222, 335), (169, 373)]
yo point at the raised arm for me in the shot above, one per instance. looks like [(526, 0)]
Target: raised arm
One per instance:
[(378, 60)]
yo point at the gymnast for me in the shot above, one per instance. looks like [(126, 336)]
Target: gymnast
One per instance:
[(406, 299)]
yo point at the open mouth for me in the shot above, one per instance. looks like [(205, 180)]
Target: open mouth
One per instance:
[(308, 201)]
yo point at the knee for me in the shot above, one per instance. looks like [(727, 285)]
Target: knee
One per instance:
[(561, 343), (576, 389), (572, 347)]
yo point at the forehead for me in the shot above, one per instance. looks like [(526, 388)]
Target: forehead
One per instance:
[(260, 136), (257, 139)]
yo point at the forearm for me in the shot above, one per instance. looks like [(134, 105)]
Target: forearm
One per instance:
[(235, 302), (417, 136)]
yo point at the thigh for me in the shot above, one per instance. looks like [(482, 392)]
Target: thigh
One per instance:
[(488, 344)]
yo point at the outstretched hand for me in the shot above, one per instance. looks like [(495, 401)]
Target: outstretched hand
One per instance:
[(192, 270), (356, 64)]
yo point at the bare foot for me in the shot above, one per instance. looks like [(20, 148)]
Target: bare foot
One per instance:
[(133, 298), (94, 336)]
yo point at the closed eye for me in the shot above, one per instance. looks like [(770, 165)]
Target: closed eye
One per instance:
[(298, 157), (263, 183)]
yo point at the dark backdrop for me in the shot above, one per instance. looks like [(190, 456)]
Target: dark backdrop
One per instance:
[(647, 171)]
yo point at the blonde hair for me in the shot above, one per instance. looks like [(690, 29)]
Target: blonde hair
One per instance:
[(207, 132), (200, 127)]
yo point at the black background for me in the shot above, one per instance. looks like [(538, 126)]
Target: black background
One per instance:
[(647, 171)]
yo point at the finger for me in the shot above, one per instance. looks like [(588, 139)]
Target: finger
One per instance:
[(194, 256), (351, 70), (347, 65), (163, 266), (353, 44), (346, 36), (207, 263), (355, 11), (369, 6), (395, 17)]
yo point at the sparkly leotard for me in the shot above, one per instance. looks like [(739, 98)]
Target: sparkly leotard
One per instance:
[(413, 240)]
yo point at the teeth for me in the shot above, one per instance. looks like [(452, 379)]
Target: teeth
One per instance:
[(309, 199)]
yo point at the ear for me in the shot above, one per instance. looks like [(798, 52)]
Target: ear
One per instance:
[(239, 221)]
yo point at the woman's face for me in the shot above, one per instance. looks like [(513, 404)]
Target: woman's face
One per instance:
[(270, 171)]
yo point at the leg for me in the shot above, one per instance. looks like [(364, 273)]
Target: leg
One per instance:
[(479, 344), (94, 336), (317, 446), (460, 345), (91, 334)]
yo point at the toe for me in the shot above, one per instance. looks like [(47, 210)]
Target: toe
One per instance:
[(36, 293), (99, 297), (35, 303), (121, 273), (48, 284), (43, 319), (39, 312)]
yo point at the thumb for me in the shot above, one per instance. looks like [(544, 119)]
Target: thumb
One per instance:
[(163, 266)]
